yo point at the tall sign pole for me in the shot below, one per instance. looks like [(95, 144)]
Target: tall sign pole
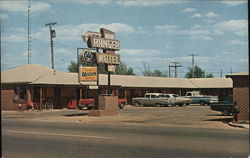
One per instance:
[(52, 35), (29, 33)]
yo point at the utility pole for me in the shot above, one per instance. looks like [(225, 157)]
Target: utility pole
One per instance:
[(52, 35), (29, 33), (220, 73), (193, 63), (169, 70), (175, 68)]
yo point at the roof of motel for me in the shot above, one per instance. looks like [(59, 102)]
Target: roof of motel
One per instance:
[(38, 74), (245, 73)]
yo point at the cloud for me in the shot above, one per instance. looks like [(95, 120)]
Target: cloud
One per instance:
[(71, 32), (126, 3), (200, 37), (195, 34), (197, 26), (196, 15), (140, 52), (20, 37), (119, 28), (212, 15), (4, 16), (237, 42), (200, 59), (186, 10), (170, 29), (147, 2), (238, 27), (64, 51), (233, 3), (22, 6)]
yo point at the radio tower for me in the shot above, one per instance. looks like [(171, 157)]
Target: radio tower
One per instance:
[(29, 34)]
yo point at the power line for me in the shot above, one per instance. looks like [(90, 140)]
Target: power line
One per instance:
[(176, 65)]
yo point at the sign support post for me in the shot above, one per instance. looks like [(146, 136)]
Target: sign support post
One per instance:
[(105, 40), (109, 88)]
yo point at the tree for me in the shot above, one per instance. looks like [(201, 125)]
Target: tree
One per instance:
[(210, 75), (120, 69), (198, 73), (73, 67), (155, 73)]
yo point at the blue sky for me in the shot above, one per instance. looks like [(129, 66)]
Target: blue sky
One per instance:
[(152, 32)]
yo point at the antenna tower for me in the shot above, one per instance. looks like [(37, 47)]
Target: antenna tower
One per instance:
[(29, 33)]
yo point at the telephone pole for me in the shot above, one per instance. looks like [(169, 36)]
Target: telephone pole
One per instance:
[(169, 70), (193, 63), (52, 35), (175, 67)]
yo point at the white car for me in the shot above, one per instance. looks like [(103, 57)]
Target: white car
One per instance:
[(175, 99)]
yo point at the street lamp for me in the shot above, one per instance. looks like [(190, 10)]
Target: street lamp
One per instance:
[(52, 35)]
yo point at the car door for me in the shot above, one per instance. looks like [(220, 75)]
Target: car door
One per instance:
[(152, 99)]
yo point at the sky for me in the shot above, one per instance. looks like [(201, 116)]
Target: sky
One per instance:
[(152, 33)]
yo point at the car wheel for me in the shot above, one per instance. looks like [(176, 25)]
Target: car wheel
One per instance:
[(180, 104), (158, 105), (225, 112), (78, 107), (122, 105), (137, 104), (202, 103)]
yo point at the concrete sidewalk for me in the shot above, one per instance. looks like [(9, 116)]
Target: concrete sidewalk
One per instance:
[(240, 124)]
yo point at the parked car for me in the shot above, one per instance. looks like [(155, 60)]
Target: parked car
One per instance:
[(90, 104), (175, 99), (151, 99), (225, 107), (197, 98)]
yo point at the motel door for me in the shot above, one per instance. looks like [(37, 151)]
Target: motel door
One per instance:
[(57, 98)]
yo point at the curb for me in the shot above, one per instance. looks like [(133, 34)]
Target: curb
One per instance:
[(239, 125)]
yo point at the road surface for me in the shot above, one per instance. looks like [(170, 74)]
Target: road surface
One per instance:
[(80, 140)]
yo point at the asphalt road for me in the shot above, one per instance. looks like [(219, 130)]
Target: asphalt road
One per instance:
[(74, 140)]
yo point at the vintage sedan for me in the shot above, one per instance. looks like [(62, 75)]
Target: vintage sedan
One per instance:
[(175, 99)]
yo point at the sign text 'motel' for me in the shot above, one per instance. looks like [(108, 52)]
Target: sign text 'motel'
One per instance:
[(103, 43), (107, 58)]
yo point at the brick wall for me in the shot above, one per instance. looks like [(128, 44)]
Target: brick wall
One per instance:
[(241, 96), (7, 99)]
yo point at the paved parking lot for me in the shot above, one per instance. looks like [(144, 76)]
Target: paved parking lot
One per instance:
[(187, 116)]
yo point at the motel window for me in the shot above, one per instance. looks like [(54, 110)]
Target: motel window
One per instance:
[(20, 91)]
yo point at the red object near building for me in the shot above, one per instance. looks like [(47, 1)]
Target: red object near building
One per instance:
[(72, 104), (91, 103)]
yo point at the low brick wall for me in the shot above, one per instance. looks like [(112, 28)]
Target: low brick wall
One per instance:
[(107, 106)]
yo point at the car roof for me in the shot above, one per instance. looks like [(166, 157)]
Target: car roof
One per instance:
[(154, 94)]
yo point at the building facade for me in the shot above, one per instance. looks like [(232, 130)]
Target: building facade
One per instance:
[(241, 94), (43, 85)]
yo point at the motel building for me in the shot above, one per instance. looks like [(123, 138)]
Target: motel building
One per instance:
[(41, 85)]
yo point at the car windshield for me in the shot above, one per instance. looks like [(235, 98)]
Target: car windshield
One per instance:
[(175, 95)]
